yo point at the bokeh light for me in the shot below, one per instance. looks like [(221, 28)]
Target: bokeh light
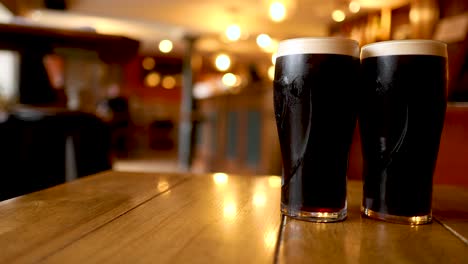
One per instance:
[(168, 82), (223, 62), (148, 63), (165, 46), (338, 16), (277, 11), (233, 32), (263, 40), (354, 7), (229, 79), (152, 79)]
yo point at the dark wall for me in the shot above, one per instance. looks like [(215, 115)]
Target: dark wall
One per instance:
[(452, 7)]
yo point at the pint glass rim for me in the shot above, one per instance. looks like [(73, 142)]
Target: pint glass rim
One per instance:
[(318, 45), (404, 47)]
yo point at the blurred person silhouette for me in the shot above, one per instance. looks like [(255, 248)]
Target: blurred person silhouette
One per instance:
[(115, 111)]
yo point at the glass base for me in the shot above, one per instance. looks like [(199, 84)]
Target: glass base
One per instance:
[(409, 220), (318, 217)]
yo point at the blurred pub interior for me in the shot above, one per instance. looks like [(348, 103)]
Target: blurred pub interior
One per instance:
[(182, 85)]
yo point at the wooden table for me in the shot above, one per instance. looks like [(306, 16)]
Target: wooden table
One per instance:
[(173, 218)]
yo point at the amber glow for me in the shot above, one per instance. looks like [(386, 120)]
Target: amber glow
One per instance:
[(163, 185), (233, 32), (354, 7), (229, 79), (165, 46), (269, 238), (338, 16), (263, 40), (271, 73), (274, 181), (273, 47), (148, 63), (220, 178), (259, 199), (168, 82), (152, 79), (277, 11), (230, 209), (223, 62)]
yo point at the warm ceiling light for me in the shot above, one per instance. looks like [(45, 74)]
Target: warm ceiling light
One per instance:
[(229, 79), (165, 46), (338, 15), (223, 62), (233, 32), (152, 79), (271, 73), (168, 82), (354, 7), (148, 63), (273, 58), (277, 11), (263, 40)]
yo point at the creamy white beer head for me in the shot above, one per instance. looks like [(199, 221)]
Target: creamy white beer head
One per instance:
[(404, 47), (341, 46)]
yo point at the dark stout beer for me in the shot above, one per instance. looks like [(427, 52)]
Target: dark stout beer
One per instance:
[(314, 97), (401, 121)]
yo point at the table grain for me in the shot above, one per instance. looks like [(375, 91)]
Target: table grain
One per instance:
[(119, 217), (34, 226), (450, 208)]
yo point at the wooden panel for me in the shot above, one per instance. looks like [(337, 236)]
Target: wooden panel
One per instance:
[(362, 240), (38, 224), (198, 221), (452, 162)]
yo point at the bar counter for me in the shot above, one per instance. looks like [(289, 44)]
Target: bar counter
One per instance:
[(118, 217)]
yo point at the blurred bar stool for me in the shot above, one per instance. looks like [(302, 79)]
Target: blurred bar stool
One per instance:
[(89, 143), (43, 147)]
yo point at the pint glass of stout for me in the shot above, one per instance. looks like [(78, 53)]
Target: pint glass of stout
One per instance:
[(401, 121), (314, 89)]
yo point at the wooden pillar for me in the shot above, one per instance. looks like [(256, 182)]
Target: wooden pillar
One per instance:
[(385, 23), (185, 120)]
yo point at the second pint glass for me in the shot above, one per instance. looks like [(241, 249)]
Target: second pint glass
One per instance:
[(401, 121)]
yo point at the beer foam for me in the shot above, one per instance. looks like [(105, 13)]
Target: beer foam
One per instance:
[(341, 46), (404, 47)]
